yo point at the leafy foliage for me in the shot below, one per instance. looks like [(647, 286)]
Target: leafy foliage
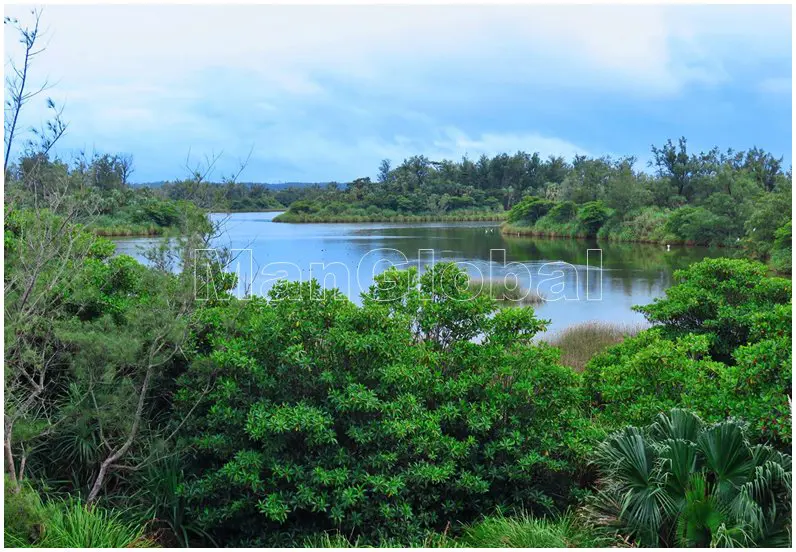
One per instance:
[(32, 522), (384, 421), (680, 482), (720, 298), (723, 348)]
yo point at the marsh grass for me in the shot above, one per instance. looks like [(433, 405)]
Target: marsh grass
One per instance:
[(498, 531), (500, 291), (581, 342)]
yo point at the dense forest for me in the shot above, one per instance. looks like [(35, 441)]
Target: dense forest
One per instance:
[(136, 415), (736, 199)]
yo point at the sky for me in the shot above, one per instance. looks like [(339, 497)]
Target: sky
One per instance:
[(324, 93)]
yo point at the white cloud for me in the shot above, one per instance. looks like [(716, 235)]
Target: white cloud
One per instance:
[(655, 49), (455, 144), (156, 80)]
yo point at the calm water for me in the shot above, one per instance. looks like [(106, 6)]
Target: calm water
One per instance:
[(580, 285)]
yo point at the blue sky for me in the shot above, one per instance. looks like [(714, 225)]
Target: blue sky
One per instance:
[(325, 93)]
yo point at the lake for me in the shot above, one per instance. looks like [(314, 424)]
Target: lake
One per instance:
[(582, 280)]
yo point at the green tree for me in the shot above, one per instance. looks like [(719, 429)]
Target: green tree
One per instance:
[(592, 216), (383, 421), (530, 210)]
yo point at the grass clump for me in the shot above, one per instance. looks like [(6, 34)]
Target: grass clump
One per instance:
[(497, 531), (30, 522), (71, 524), (524, 531), (499, 290), (581, 342)]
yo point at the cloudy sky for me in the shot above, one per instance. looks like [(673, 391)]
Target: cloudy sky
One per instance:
[(325, 93)]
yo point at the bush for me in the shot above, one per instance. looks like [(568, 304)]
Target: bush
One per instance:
[(384, 422), (723, 349), (648, 224), (720, 298), (782, 249), (563, 212), (529, 210), (22, 515), (697, 225), (632, 382), (592, 216)]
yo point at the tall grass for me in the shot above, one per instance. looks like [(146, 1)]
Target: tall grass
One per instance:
[(500, 291), (337, 540), (580, 342), (127, 230), (524, 531), (72, 524), (499, 531), (31, 522)]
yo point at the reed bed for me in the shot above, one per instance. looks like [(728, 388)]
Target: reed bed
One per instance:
[(497, 289), (581, 342), (127, 230)]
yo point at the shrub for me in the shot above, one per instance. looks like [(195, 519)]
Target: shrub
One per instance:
[(632, 382), (529, 210), (592, 216), (383, 422), (22, 514), (720, 298), (697, 225), (781, 251), (648, 224), (629, 383), (563, 212)]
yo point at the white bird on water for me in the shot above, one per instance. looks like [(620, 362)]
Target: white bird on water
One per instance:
[(668, 247)]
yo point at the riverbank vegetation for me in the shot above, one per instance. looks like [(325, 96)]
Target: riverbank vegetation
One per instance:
[(723, 198), (108, 204), (733, 199), (500, 290), (147, 405), (300, 416), (581, 342)]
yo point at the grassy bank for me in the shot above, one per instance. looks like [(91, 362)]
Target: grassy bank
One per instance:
[(123, 230), (573, 231), (289, 216), (581, 342), (32, 522)]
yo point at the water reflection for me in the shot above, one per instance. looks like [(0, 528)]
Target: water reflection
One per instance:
[(580, 284)]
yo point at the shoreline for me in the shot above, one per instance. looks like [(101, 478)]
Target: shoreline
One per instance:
[(496, 217), (509, 230)]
